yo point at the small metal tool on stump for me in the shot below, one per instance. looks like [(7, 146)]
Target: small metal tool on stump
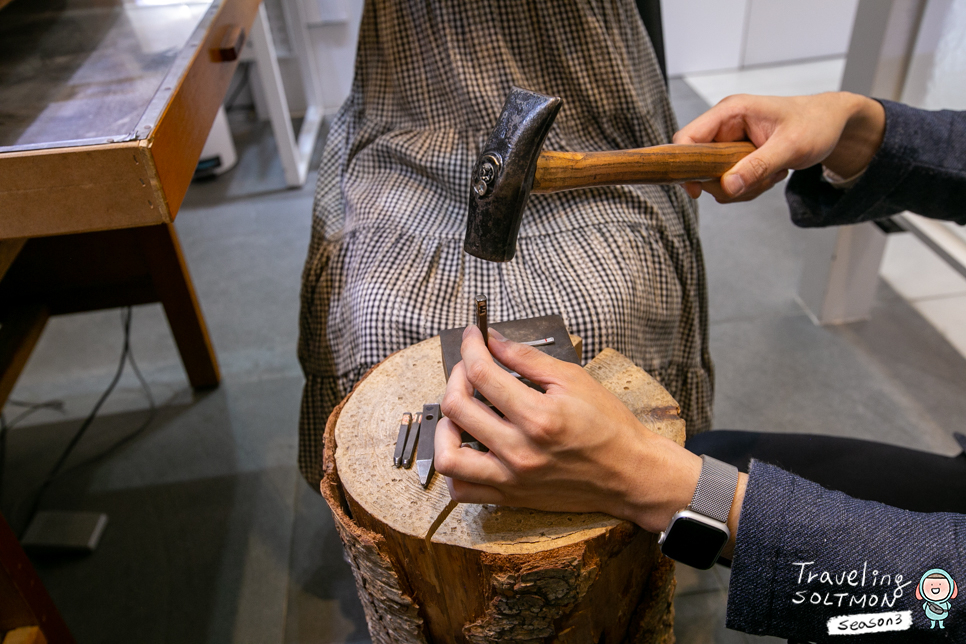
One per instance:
[(410, 450), (404, 424), (426, 451)]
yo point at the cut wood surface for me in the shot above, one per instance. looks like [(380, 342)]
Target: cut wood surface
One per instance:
[(429, 570)]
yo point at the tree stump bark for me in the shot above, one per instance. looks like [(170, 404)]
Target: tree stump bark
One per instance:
[(429, 570)]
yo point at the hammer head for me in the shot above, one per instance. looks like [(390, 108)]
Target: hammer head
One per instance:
[(504, 173)]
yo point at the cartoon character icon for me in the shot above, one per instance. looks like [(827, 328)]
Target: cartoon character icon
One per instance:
[(936, 588)]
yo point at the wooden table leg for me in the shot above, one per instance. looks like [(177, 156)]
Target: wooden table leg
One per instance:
[(20, 329), (169, 273), (9, 249), (23, 599)]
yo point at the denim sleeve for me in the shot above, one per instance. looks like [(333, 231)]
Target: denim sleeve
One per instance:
[(810, 563), (920, 167)]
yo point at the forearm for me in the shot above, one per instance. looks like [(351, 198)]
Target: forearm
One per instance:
[(678, 470)]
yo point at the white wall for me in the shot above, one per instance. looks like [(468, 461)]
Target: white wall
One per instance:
[(784, 30), (711, 35), (701, 35)]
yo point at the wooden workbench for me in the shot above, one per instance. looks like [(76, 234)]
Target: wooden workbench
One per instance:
[(105, 106)]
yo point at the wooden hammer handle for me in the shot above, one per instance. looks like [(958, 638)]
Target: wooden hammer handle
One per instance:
[(557, 171)]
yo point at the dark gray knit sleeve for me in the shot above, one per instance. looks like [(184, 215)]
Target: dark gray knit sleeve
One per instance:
[(920, 167), (810, 564)]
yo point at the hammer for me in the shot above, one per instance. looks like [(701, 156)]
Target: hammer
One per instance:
[(511, 166)]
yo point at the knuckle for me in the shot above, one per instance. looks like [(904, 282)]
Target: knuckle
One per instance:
[(452, 404), (734, 100), (444, 462), (459, 493), (477, 373), (542, 426), (525, 463), (758, 168), (575, 372)]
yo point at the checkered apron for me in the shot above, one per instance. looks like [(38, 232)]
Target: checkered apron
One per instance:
[(386, 266)]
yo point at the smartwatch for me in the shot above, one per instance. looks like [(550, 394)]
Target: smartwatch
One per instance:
[(698, 533)]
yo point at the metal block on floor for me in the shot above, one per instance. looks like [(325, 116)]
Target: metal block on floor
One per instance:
[(64, 532)]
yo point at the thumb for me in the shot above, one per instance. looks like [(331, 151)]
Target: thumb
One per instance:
[(754, 170)]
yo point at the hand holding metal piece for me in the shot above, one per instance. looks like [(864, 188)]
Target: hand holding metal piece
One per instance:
[(410, 449), (427, 447), (404, 423)]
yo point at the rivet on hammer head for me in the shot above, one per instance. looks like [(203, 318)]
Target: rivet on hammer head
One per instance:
[(489, 167), (487, 172)]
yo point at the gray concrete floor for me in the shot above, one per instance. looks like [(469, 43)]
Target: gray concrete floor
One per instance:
[(213, 535)]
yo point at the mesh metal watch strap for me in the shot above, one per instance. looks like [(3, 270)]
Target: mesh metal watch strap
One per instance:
[(716, 489)]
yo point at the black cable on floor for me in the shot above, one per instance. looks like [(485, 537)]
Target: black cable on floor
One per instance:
[(126, 356), (152, 413), (5, 427)]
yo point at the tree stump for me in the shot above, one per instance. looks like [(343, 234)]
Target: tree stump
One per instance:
[(429, 570)]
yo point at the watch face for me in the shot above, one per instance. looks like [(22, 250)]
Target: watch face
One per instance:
[(694, 543)]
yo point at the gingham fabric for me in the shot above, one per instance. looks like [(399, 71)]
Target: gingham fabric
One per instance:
[(386, 266)]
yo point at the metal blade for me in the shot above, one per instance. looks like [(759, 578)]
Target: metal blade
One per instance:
[(427, 447)]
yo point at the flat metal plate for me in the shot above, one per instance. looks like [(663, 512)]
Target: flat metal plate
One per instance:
[(519, 331)]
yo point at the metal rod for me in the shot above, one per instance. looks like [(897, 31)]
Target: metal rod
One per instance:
[(481, 318), (539, 343), (404, 424), (410, 450)]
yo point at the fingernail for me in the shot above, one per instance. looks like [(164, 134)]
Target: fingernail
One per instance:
[(468, 330), (496, 335), (733, 184)]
